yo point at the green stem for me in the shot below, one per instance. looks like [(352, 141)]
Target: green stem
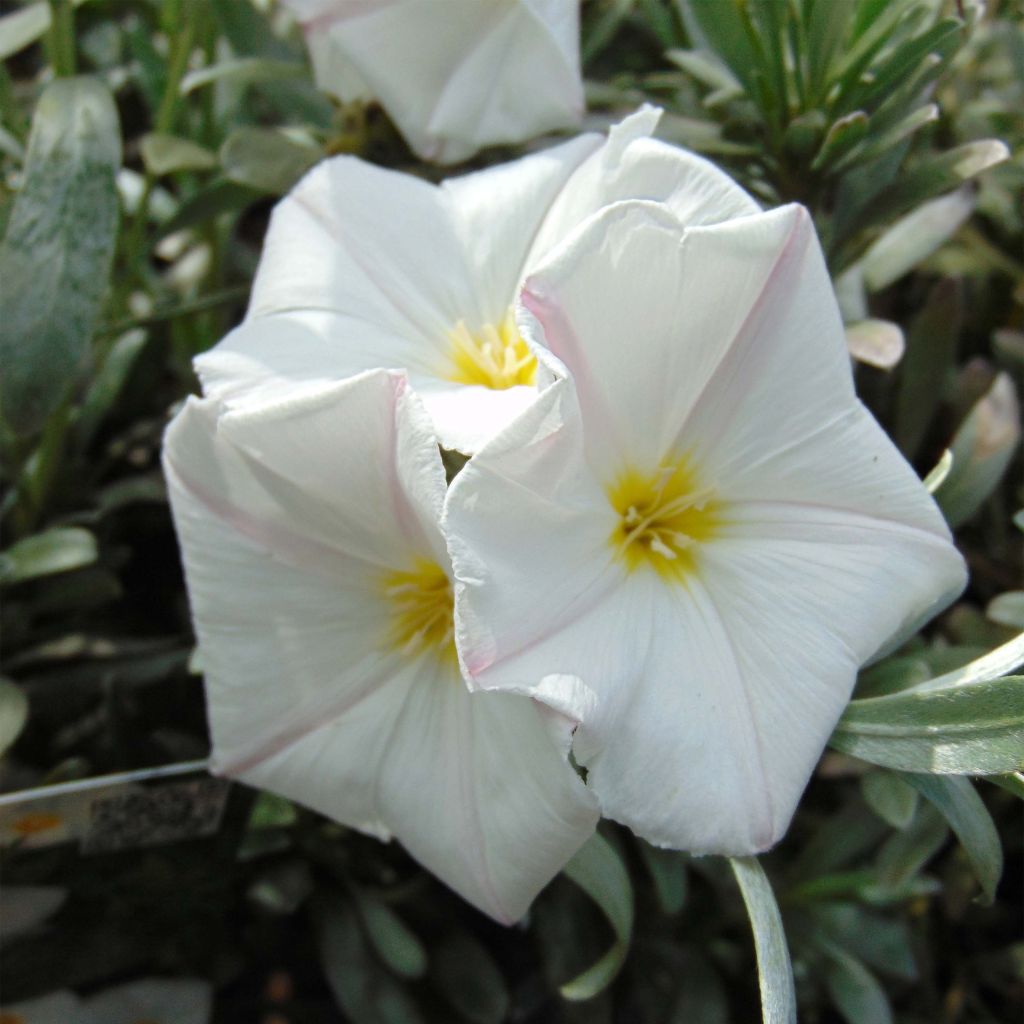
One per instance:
[(166, 114), (61, 38), (199, 305)]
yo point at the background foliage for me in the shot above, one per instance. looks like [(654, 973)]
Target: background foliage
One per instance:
[(142, 145)]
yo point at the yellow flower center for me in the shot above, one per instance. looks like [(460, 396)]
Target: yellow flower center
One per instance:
[(663, 518), (496, 357), (423, 610)]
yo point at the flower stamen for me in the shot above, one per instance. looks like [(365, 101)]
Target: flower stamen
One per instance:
[(423, 611), (664, 517), (495, 357)]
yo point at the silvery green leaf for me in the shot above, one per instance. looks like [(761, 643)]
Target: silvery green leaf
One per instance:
[(13, 713), (266, 159), (937, 474), (242, 70), (963, 809), (667, 869), (856, 992), (915, 237), (57, 550), (391, 937), (1007, 609), (982, 450), (969, 730), (57, 250), (775, 972), (890, 797), (165, 154), (598, 870)]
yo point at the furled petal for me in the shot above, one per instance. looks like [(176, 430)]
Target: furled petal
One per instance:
[(632, 165), (718, 349), (294, 519), (467, 74)]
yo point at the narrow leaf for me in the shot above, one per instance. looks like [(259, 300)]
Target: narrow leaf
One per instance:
[(968, 817), (242, 71), (972, 730), (598, 870), (982, 450), (855, 991), (775, 972)]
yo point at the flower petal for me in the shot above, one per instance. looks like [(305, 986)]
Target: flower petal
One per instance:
[(288, 515), (632, 165), (483, 73), (525, 512), (329, 248), (497, 213)]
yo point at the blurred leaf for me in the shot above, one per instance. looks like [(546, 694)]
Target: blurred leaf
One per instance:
[(775, 972), (56, 254), (982, 450), (855, 991), (600, 28), (272, 811), (890, 797), (967, 730), (466, 975), (242, 71), (395, 944), (266, 159), (598, 870), (701, 995), (706, 68), (54, 1008), (56, 550), (989, 666), (937, 474), (363, 989), (13, 713), (878, 343), (892, 675), (883, 943), (931, 349), (106, 385), (25, 907), (282, 888), (165, 154), (177, 1000), (938, 173), (212, 200), (915, 237), (23, 27), (961, 806), (844, 134), (1007, 609), (904, 854), (668, 872)]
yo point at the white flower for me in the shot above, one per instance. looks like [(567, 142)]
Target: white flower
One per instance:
[(694, 556), (365, 268), (321, 593), (454, 75)]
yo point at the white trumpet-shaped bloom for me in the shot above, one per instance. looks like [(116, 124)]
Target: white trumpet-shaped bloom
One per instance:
[(454, 75), (365, 268), (691, 541), (321, 592)]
